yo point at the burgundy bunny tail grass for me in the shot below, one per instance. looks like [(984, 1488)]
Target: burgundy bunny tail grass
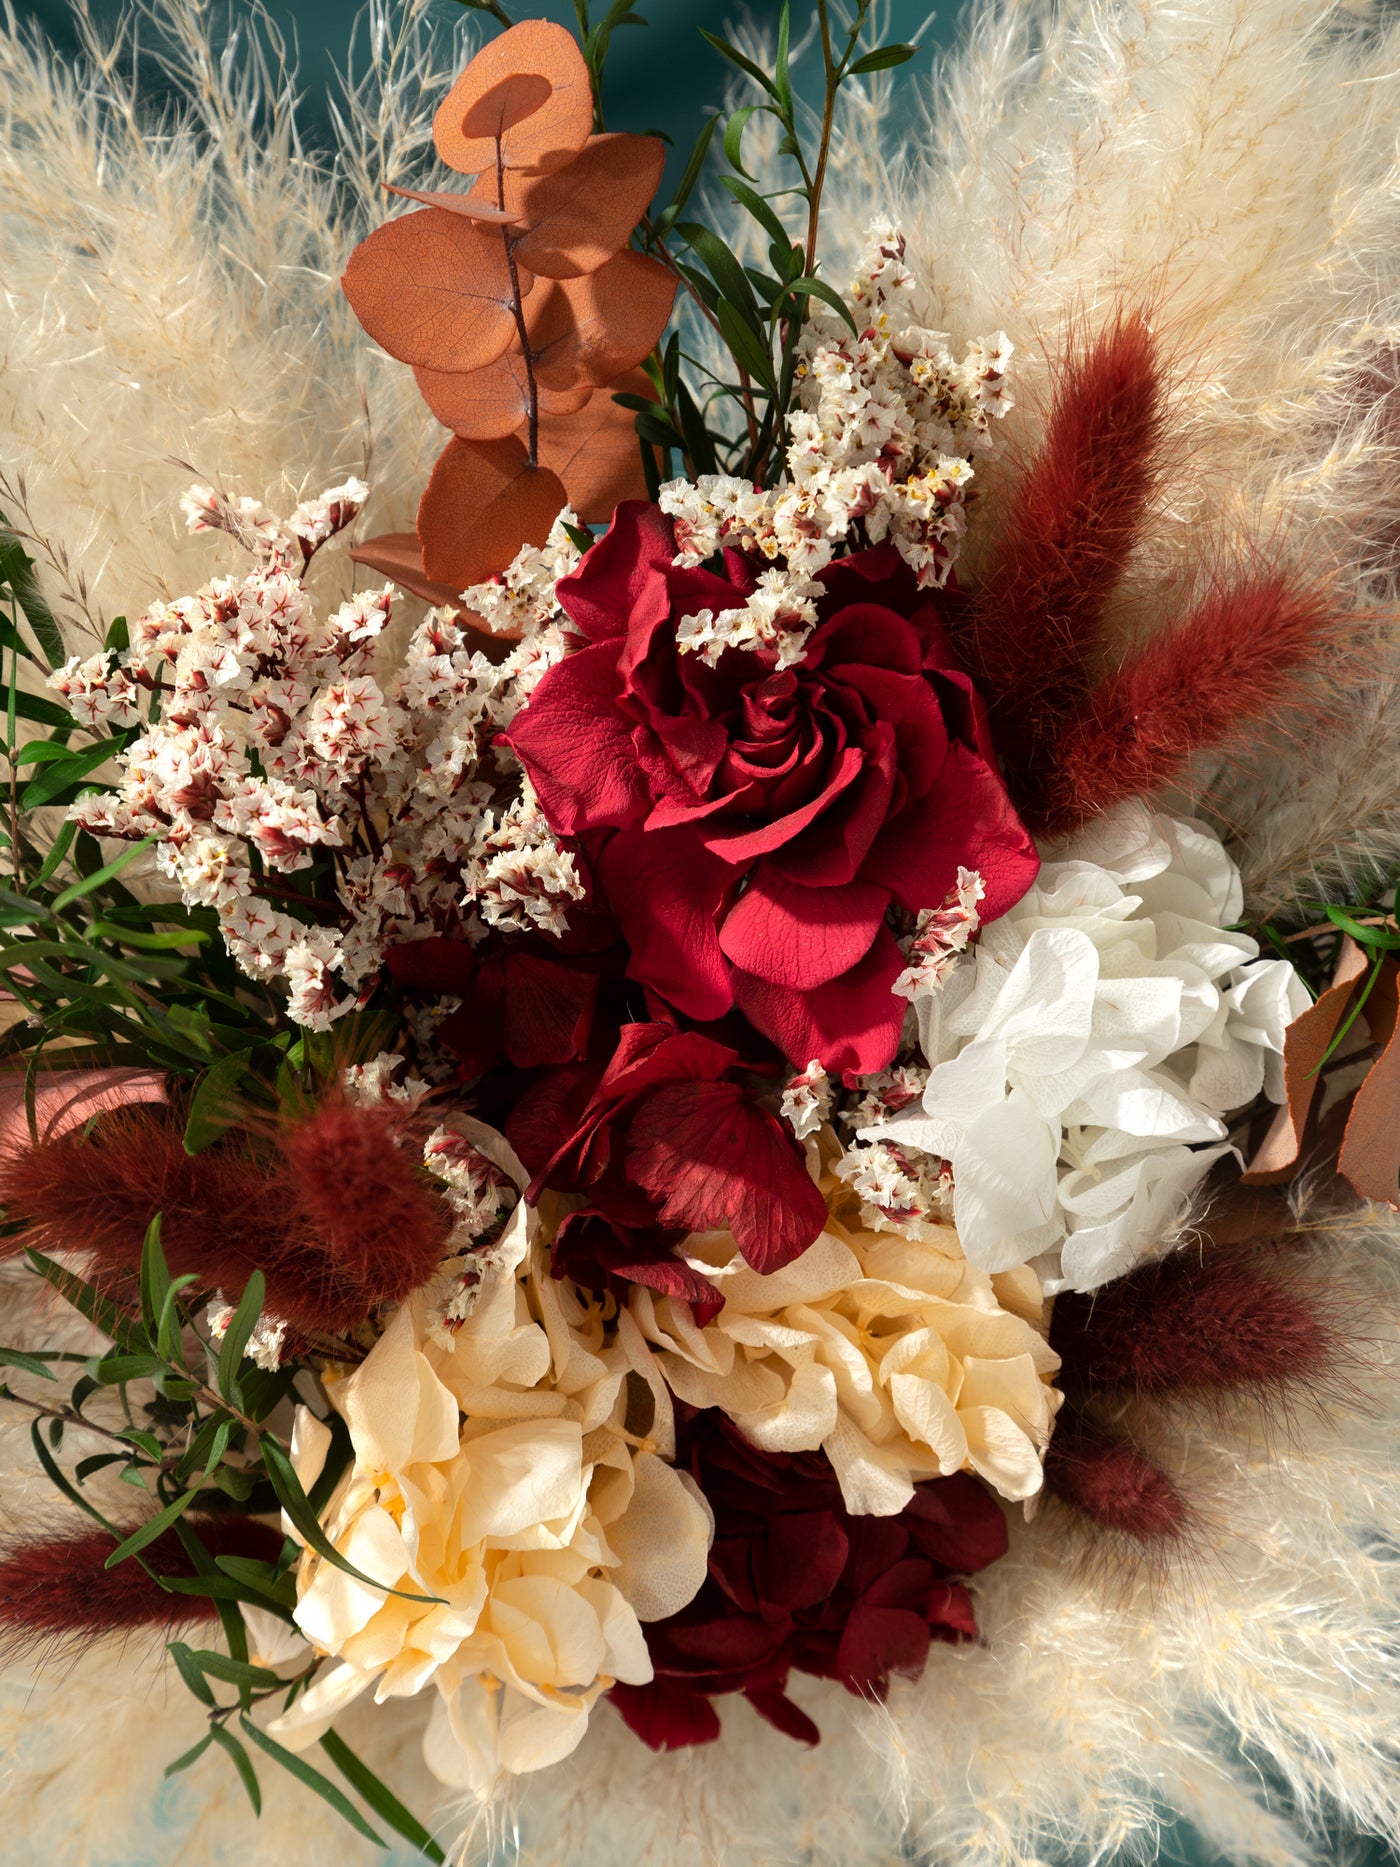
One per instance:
[(1071, 525), (1109, 1480), (1245, 653), (56, 1594), (1200, 1322), (362, 1196)]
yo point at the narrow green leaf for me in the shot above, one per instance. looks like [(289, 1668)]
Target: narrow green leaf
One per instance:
[(151, 1529), (748, 350), (191, 1756), (782, 79), (818, 288), (99, 1461), (213, 1109), (57, 777), (233, 1672), (761, 211), (56, 1477), (313, 1779), (297, 1505), (693, 168), (30, 1364), (379, 1796), (883, 58), (190, 1671), (154, 1279), (724, 269), (244, 1321), (734, 138), (736, 57), (117, 1369), (76, 890), (99, 1311), (242, 1762), (62, 843), (17, 570)]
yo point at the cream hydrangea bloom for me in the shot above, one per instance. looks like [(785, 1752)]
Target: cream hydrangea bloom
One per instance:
[(499, 1468), (894, 1355)]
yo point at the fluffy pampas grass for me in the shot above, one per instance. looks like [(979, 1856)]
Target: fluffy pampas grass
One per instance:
[(172, 307)]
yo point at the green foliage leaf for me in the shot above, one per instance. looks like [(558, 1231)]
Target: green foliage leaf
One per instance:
[(29, 1364), (190, 1672), (736, 57), (99, 1310), (380, 1797), (313, 1780), (297, 1505), (883, 58), (244, 1321), (242, 1762), (89, 883), (761, 211), (749, 352), (62, 774), (191, 1756), (17, 570), (150, 1530)]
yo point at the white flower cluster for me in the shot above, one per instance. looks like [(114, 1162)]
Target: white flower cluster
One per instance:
[(521, 599), (883, 437), (1084, 1054), (274, 740)]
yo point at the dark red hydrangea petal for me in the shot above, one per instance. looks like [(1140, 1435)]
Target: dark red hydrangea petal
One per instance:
[(957, 1523), (599, 1254), (795, 1581), (782, 1714), (713, 1160), (665, 1716)]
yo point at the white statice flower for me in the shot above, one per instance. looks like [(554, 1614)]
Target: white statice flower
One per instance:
[(266, 1341), (374, 1084), (499, 1481), (97, 692), (521, 599), (882, 438), (894, 1355), (900, 1189), (940, 935), (1083, 1057), (276, 741), (517, 876), (807, 1099)]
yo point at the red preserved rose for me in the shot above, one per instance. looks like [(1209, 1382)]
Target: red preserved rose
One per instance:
[(752, 825)]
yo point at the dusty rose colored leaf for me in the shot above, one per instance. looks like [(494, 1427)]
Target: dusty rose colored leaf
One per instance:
[(483, 502), (1304, 1046), (1370, 1151), (469, 206), (488, 404), (531, 89), (594, 328), (596, 453), (65, 1099), (719, 1161), (433, 288), (572, 221)]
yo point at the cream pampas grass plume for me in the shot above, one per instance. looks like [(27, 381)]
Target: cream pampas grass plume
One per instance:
[(172, 297)]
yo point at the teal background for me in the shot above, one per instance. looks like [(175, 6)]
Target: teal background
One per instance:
[(664, 79)]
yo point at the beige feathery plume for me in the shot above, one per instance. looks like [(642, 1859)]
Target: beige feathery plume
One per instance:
[(172, 297)]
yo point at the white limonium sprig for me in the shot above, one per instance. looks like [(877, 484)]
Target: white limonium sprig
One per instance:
[(1084, 1055), (275, 742), (882, 439)]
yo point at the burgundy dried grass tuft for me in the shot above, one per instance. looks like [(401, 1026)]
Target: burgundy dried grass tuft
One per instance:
[(54, 1590), (1071, 525), (1241, 656), (335, 1213), (1199, 1324), (1111, 1481)]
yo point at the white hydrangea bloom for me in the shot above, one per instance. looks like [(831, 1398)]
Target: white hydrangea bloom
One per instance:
[(1084, 1055)]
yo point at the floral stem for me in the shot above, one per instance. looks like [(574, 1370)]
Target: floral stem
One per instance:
[(518, 307)]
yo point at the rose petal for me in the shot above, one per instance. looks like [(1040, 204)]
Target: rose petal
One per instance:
[(576, 747), (668, 893), (851, 1025), (803, 937)]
